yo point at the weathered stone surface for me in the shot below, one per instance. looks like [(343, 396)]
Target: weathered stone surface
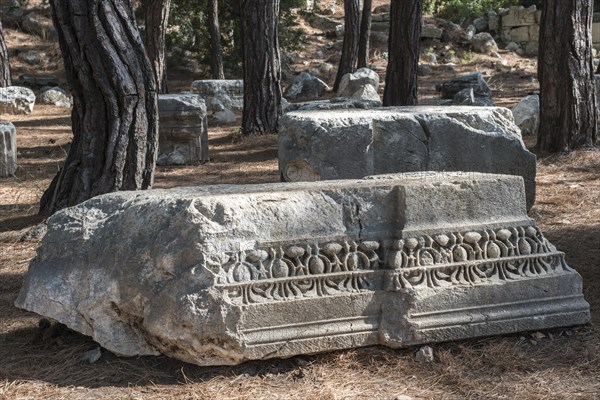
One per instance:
[(340, 144), (16, 100), (366, 92), (484, 43), (223, 274), (481, 24), (55, 96), (183, 132), (306, 85), (451, 87), (527, 114), (597, 81), (351, 83), (338, 103), (8, 149), (38, 81), (219, 95), (519, 16)]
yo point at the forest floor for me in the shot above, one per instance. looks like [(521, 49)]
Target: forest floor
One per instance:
[(554, 364)]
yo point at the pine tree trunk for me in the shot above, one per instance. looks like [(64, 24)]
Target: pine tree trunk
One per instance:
[(262, 67), (115, 115), (365, 35), (349, 57), (403, 53), (157, 19), (216, 59), (4, 64), (565, 70)]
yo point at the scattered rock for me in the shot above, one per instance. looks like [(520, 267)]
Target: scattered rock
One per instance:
[(469, 33), (340, 30), (224, 117), (38, 81), (503, 66), (366, 92), (8, 149), (91, 356), (56, 96), (33, 57), (429, 31), (466, 97), (531, 48), (351, 83), (425, 70), (484, 43), (476, 81), (429, 58), (16, 100), (306, 85), (527, 114), (39, 26), (424, 355), (513, 46), (481, 24), (538, 335)]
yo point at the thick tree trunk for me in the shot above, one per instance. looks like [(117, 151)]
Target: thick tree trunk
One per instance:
[(403, 53), (115, 116), (216, 59), (157, 19), (565, 70), (262, 67), (349, 56), (365, 34), (4, 64)]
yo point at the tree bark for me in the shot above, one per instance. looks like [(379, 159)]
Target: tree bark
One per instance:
[(565, 71), (365, 34), (4, 64), (157, 19), (216, 59), (262, 67), (349, 57), (403, 53), (115, 113)]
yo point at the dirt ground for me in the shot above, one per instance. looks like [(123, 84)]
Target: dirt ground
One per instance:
[(555, 364)]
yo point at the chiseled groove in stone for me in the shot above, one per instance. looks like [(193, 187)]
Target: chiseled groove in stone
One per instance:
[(312, 329)]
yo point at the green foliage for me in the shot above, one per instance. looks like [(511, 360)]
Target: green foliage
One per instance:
[(460, 10), (188, 32)]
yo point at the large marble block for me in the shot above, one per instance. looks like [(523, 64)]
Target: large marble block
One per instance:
[(183, 131), (8, 149), (224, 274), (346, 144)]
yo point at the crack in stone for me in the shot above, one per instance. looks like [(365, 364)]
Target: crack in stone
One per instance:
[(427, 132)]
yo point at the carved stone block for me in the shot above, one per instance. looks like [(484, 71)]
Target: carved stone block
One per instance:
[(183, 132), (224, 274), (8, 149), (347, 144)]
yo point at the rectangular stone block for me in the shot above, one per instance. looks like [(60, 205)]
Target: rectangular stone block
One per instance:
[(519, 16), (219, 95), (183, 130), (520, 34), (347, 144), (8, 149), (224, 274), (596, 32)]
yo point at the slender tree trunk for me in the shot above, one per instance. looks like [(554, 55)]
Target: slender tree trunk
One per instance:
[(365, 34), (262, 67), (349, 57), (157, 19), (565, 70), (4, 64), (403, 53), (216, 59), (114, 118)]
